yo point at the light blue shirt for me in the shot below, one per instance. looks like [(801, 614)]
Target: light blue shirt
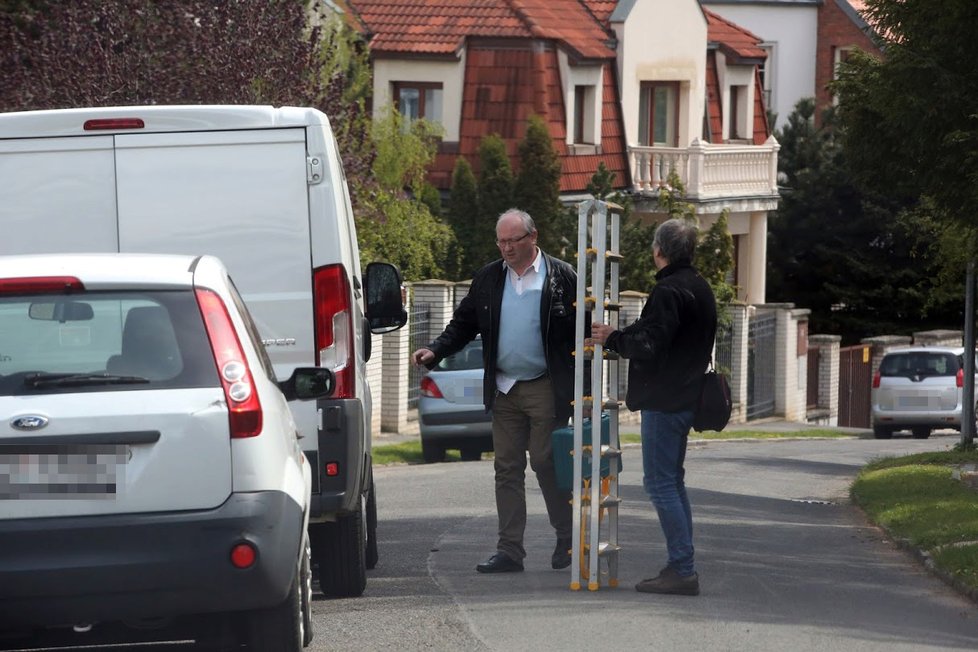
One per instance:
[(521, 354)]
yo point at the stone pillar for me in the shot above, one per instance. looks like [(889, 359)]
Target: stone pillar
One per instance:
[(439, 297), (396, 358), (828, 376), (740, 319), (880, 345), (461, 289), (375, 377), (798, 348), (938, 338)]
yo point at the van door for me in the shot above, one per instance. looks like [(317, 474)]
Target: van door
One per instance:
[(242, 196), (57, 195)]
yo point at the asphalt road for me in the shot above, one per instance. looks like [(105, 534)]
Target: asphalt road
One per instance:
[(785, 563)]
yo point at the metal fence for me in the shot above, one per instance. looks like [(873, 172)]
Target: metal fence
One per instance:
[(761, 333), (723, 360), (419, 336)]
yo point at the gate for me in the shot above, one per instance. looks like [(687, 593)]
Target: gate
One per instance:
[(760, 366), (855, 380), (418, 336)]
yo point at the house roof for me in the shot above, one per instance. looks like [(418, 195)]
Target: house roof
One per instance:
[(602, 9), (733, 40), (440, 27)]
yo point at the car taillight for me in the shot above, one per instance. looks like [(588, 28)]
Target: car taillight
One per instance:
[(430, 389), (232, 366), (112, 124), (876, 380), (333, 315), (39, 284), (959, 379)]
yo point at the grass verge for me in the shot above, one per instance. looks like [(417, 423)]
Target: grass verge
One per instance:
[(917, 499), (410, 452)]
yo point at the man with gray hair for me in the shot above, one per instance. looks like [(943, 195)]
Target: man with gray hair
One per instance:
[(668, 349), (523, 307)]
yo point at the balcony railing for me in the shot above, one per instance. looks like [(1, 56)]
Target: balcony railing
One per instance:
[(709, 171)]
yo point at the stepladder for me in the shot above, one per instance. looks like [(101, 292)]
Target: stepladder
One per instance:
[(597, 449)]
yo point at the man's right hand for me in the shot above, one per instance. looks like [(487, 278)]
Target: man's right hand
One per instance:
[(422, 357)]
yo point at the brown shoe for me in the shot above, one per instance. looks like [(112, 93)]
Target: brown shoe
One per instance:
[(671, 582)]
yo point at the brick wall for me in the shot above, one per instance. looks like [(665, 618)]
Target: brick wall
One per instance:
[(836, 29)]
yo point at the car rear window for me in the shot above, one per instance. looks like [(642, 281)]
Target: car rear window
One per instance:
[(103, 341), (920, 363), (470, 357)]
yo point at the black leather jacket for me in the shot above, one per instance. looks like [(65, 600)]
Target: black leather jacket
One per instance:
[(670, 345), (478, 314)]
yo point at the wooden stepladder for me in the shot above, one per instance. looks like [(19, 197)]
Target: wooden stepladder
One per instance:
[(595, 537)]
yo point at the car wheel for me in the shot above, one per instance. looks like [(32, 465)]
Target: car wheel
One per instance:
[(882, 432), (471, 453), (372, 553), (341, 555), (305, 583), (280, 628), (920, 432), (432, 452)]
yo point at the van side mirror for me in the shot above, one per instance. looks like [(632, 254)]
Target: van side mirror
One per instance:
[(385, 300), (307, 383)]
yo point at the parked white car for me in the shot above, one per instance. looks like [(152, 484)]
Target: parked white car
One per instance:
[(918, 389), (150, 467)]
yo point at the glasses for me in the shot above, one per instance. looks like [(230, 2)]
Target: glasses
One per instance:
[(511, 241)]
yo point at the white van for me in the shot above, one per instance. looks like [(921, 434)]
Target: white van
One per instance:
[(263, 189)]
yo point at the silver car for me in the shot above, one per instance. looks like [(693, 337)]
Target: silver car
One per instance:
[(919, 389), (450, 409)]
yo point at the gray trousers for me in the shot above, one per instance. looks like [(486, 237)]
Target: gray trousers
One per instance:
[(522, 421)]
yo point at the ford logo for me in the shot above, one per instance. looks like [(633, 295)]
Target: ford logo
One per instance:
[(29, 422)]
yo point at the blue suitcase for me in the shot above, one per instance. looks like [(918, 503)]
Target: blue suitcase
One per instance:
[(562, 441)]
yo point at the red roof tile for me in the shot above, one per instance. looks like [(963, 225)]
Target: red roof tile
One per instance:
[(732, 38), (440, 27), (602, 9)]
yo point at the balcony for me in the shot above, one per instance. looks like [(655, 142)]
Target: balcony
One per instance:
[(709, 172)]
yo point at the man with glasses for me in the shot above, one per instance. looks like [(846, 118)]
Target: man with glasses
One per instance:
[(523, 307)]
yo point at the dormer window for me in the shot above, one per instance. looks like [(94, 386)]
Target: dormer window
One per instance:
[(584, 98), (419, 100), (659, 114)]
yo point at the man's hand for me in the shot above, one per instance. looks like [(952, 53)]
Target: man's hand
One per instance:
[(599, 334), (422, 357)]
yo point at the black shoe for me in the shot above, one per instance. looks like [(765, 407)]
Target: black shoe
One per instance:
[(500, 563), (671, 582), (562, 554)]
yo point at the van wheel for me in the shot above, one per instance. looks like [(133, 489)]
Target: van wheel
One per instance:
[(432, 452), (920, 433), (372, 553), (882, 432), (340, 555), (280, 628)]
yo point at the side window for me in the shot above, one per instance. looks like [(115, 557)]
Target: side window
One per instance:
[(253, 335)]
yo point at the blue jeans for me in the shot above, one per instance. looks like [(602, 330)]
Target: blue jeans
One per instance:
[(664, 436)]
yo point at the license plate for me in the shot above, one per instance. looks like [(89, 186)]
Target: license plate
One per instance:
[(914, 401), (61, 472)]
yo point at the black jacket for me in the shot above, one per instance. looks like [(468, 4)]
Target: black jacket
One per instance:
[(670, 345), (478, 314)]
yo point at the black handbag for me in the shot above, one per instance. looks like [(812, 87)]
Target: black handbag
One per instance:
[(714, 405)]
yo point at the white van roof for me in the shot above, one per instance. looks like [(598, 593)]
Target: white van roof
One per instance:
[(127, 119)]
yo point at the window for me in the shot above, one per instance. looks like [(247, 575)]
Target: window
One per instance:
[(659, 114), (584, 114), (766, 70), (839, 56), (739, 113), (418, 100)]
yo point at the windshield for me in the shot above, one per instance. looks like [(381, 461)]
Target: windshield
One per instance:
[(470, 357), (922, 363), (99, 341)]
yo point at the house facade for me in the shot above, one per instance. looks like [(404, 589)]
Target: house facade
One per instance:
[(643, 86), (805, 40)]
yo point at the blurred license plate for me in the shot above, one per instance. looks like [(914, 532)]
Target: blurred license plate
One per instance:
[(914, 401), (468, 391), (61, 472)]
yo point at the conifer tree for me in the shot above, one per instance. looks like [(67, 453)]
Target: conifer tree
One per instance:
[(463, 217), (538, 189), (495, 197)]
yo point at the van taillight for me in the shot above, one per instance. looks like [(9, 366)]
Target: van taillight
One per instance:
[(39, 284), (232, 366), (959, 379), (333, 314), (113, 124), (876, 380)]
